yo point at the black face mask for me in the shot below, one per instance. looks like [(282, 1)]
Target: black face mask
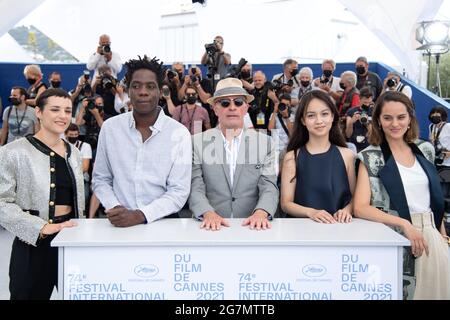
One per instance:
[(365, 106), (14, 101), (31, 81), (294, 72), (245, 74), (55, 84), (191, 99), (342, 85), (305, 83), (436, 119), (72, 140), (360, 70), (327, 73)]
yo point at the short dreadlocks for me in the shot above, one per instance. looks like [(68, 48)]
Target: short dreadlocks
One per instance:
[(145, 63)]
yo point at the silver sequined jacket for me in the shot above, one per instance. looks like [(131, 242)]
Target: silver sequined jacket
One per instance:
[(27, 184)]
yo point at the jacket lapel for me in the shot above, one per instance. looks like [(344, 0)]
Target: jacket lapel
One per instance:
[(436, 195)]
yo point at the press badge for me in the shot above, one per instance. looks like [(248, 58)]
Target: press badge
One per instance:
[(260, 119)]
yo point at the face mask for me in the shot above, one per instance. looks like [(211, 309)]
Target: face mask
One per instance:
[(305, 83), (294, 72), (191, 99), (342, 85), (360, 70), (245, 74), (14, 101), (31, 81), (72, 140), (55, 84), (435, 119), (365, 106), (327, 73)]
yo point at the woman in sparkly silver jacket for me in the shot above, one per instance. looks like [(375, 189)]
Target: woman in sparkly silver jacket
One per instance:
[(41, 189)]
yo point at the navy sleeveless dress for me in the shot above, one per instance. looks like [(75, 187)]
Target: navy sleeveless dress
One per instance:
[(322, 181)]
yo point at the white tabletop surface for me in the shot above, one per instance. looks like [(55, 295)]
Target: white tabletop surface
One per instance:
[(187, 232)]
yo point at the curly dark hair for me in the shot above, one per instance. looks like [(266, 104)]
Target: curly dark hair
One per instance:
[(153, 65)]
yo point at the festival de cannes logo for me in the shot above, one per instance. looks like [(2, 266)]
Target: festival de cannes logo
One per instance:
[(146, 270), (314, 270)]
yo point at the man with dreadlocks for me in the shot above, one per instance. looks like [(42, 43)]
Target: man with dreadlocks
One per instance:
[(142, 171)]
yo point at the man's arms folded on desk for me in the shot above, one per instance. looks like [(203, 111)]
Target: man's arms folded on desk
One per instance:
[(258, 220)]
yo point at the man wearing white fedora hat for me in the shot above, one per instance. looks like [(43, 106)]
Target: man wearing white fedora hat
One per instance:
[(234, 170)]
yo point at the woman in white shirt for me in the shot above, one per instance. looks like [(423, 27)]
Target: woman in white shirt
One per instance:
[(398, 186)]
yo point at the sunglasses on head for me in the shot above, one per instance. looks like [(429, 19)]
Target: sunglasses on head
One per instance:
[(225, 103)]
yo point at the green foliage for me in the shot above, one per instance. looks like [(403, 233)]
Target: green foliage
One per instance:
[(444, 73)]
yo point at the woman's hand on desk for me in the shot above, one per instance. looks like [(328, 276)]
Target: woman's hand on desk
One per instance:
[(213, 221), (52, 228), (321, 216), (343, 215)]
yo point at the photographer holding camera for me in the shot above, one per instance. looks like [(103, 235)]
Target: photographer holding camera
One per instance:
[(105, 86), (104, 56), (281, 124), (393, 83), (91, 115), (327, 81), (439, 135), (262, 107), (202, 86), (359, 119), (216, 60)]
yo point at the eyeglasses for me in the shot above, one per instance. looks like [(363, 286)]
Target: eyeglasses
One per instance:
[(225, 103)]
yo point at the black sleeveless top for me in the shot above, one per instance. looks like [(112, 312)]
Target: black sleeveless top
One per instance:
[(64, 187), (322, 181)]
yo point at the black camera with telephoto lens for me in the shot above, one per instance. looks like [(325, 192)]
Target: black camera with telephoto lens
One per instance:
[(282, 107), (235, 71), (171, 74), (364, 118), (211, 48), (108, 82), (392, 82), (324, 80), (91, 103), (86, 74), (106, 48)]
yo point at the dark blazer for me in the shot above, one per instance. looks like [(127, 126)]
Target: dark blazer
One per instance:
[(390, 177)]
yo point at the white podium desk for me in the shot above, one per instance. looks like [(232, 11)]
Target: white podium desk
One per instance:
[(297, 259)]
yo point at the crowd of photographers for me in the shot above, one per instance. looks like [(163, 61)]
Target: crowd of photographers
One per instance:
[(186, 91)]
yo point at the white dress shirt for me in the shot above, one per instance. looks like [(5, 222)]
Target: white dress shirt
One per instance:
[(153, 176), (232, 150), (96, 60)]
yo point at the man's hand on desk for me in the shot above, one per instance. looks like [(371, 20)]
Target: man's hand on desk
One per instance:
[(258, 220), (213, 221), (121, 217)]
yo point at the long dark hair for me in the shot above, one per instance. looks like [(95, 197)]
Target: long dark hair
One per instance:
[(300, 135)]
